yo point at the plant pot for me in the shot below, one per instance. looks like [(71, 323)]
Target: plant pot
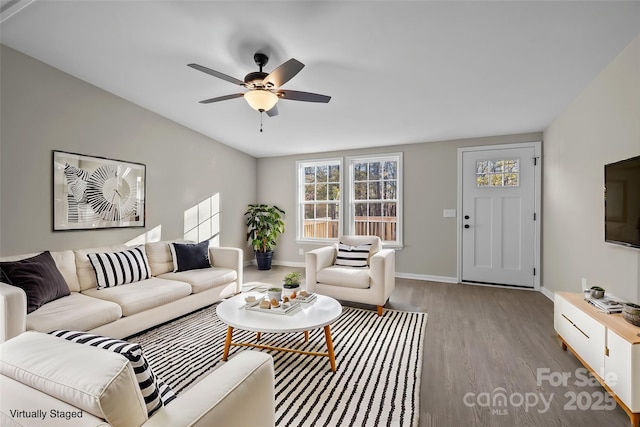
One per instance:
[(264, 260), (272, 293)]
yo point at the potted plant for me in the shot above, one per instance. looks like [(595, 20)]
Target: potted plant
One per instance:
[(292, 282), (265, 224)]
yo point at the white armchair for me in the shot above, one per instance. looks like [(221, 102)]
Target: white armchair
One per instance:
[(371, 284)]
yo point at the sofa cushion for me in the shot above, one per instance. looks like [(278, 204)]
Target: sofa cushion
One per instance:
[(19, 398), (203, 279), (75, 311), (190, 256), (99, 382), (84, 269), (38, 276), (141, 296), (348, 277), (65, 261), (353, 256), (120, 268), (160, 259), (154, 391)]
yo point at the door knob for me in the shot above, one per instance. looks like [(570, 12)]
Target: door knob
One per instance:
[(466, 226), (466, 217)]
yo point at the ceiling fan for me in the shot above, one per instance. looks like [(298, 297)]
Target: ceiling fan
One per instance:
[(264, 89)]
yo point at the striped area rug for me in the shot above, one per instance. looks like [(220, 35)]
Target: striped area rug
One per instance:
[(379, 363)]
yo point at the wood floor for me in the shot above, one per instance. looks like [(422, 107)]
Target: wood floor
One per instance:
[(483, 343)]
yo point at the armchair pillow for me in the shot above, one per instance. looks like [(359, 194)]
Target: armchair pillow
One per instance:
[(155, 392), (190, 256), (353, 256), (120, 268), (38, 277)]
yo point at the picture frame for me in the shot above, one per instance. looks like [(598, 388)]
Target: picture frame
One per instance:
[(92, 192)]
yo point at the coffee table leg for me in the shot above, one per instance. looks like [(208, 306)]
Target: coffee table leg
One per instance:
[(332, 357), (258, 336), (306, 336), (227, 343)]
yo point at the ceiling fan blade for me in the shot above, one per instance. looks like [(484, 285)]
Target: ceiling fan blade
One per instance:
[(273, 112), (222, 98), (283, 73), (295, 95), (217, 74)]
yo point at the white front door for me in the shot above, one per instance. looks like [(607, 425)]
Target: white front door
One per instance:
[(499, 209)]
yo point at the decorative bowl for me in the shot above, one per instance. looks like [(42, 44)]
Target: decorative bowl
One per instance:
[(597, 292), (631, 313), (275, 293)]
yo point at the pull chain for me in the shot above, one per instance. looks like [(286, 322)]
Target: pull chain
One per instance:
[(260, 121)]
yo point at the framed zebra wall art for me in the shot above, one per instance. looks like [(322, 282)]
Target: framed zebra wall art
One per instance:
[(95, 192)]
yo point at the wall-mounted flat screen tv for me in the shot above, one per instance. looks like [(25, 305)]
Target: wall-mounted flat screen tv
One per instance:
[(622, 202)]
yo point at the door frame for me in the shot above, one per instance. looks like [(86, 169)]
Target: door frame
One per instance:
[(537, 251)]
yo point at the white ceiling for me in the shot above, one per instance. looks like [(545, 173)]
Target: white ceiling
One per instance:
[(398, 72)]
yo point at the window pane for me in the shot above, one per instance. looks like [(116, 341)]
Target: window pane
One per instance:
[(374, 171), (360, 191), (375, 209), (309, 192), (332, 211), (498, 165), (496, 179), (309, 212), (482, 180), (360, 211), (334, 191), (309, 174), (389, 210), (321, 211), (390, 190), (390, 170), (511, 179), (321, 192), (374, 191), (334, 173), (360, 172), (332, 232), (362, 228), (322, 173)]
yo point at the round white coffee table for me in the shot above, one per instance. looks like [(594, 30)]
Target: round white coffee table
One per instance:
[(319, 313)]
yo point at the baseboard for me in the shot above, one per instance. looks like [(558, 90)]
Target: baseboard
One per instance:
[(275, 262), (427, 277), (546, 292)]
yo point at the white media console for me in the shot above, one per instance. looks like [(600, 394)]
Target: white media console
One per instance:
[(606, 344)]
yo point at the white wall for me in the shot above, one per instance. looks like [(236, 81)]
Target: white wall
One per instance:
[(430, 185), (601, 126), (44, 109)]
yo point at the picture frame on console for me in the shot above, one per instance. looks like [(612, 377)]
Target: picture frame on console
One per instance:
[(92, 192)]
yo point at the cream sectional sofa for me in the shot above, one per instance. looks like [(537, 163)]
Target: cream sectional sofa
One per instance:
[(124, 310), (38, 388)]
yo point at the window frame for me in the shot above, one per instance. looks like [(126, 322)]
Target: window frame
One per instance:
[(349, 189), (300, 200)]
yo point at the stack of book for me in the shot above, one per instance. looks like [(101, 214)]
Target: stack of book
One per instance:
[(606, 305)]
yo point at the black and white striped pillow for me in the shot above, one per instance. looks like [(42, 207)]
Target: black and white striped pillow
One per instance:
[(155, 392), (353, 256), (120, 268)]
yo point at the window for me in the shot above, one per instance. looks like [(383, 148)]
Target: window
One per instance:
[(375, 197), (319, 193), (497, 173)]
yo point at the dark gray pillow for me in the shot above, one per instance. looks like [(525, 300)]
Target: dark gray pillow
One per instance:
[(38, 277), (190, 256)]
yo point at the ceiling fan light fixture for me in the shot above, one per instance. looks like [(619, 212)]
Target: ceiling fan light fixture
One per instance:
[(261, 100)]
